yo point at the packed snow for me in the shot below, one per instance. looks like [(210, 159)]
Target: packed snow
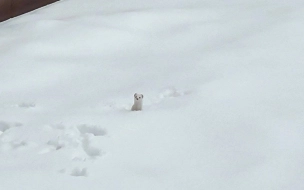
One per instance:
[(223, 105)]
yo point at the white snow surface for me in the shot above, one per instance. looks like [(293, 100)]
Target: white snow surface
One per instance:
[(223, 85)]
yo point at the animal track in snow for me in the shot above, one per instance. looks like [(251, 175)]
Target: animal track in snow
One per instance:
[(172, 92), (88, 149), (5, 126), (56, 144), (27, 105), (93, 129), (17, 144), (79, 172), (80, 138), (53, 145), (167, 93), (87, 131), (76, 143), (6, 142), (60, 137)]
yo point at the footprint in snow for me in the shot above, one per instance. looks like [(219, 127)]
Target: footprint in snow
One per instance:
[(88, 149), (172, 92), (27, 105), (79, 172), (5, 126), (166, 94), (91, 129)]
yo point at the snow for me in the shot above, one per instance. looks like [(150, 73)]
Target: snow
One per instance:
[(223, 93)]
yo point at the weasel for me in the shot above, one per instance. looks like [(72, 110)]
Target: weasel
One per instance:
[(137, 102)]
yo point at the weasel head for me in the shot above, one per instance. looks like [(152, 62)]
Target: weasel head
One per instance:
[(138, 97)]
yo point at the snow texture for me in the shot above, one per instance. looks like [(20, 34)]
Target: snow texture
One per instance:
[(223, 86)]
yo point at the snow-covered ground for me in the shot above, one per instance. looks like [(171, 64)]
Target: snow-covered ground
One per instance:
[(223, 85)]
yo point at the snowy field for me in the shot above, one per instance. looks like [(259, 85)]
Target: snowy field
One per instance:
[(223, 85)]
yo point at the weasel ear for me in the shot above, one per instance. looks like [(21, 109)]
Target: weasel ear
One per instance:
[(135, 94), (142, 96)]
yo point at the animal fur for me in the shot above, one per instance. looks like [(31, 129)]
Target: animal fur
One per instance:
[(138, 99)]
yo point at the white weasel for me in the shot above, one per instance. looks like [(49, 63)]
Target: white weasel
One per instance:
[(138, 98)]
